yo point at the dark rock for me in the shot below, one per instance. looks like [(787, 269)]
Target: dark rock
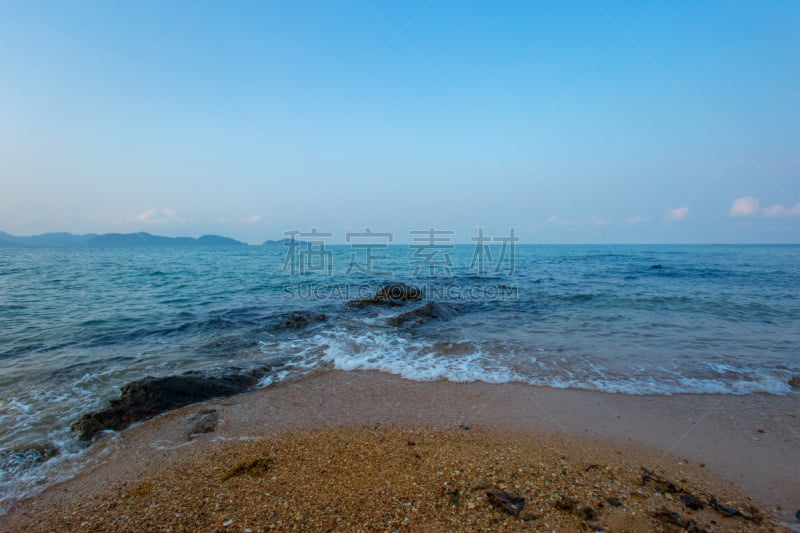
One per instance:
[(692, 502), (794, 382), (724, 510), (797, 514), (464, 427), (392, 294), (669, 517), (613, 502), (511, 502), (655, 267), (360, 304), (420, 315), (300, 319), (202, 422), (148, 397), (573, 506), (566, 504), (399, 291), (661, 484), (454, 496)]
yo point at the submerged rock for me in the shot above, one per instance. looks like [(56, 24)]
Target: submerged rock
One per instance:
[(148, 397), (228, 344), (202, 422), (420, 315), (18, 459), (795, 382), (300, 319)]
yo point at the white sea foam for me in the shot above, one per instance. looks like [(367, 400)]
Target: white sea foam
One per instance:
[(421, 359), (31, 481)]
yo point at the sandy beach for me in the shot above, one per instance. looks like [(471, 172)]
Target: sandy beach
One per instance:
[(348, 451)]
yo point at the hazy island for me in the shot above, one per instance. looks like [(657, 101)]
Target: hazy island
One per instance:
[(119, 240)]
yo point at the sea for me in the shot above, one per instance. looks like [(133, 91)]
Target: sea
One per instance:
[(76, 324)]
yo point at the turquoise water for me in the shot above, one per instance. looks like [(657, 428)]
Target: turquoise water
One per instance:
[(77, 324)]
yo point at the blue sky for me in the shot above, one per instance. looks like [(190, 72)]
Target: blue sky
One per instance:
[(571, 122)]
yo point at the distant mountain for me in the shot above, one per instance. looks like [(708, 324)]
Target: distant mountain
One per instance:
[(217, 240), (56, 239), (112, 240), (280, 242), (7, 241)]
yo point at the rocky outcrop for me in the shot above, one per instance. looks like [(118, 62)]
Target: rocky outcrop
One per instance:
[(148, 397), (392, 294), (299, 320), (420, 315)]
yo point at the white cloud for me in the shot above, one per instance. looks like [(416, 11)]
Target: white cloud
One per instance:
[(167, 215), (778, 210), (638, 219), (746, 206), (147, 215), (679, 213), (252, 219)]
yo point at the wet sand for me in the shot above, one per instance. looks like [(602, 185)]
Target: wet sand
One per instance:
[(332, 451)]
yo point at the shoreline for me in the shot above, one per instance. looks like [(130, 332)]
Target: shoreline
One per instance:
[(748, 441)]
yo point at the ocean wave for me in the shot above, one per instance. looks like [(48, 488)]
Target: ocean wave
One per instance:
[(422, 359)]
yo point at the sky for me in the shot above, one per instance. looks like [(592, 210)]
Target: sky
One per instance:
[(571, 122)]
